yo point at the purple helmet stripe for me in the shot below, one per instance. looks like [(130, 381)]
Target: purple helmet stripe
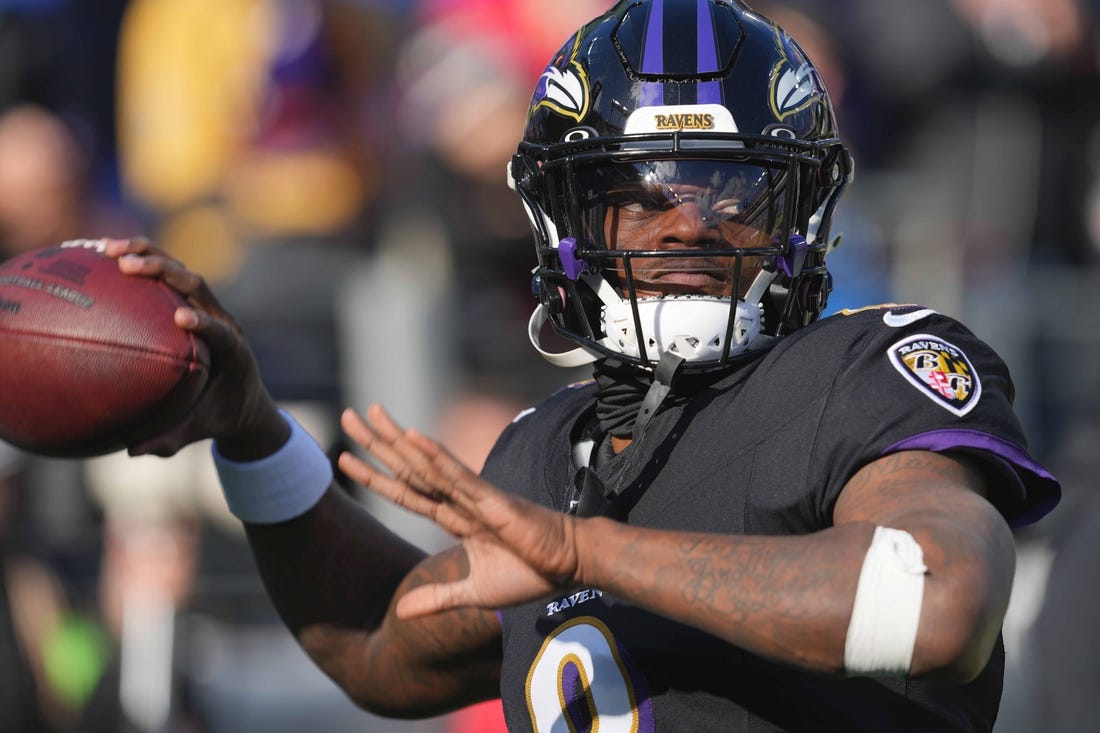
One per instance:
[(653, 59), (707, 55)]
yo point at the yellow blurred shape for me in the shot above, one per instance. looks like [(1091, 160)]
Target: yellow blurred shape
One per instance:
[(188, 74)]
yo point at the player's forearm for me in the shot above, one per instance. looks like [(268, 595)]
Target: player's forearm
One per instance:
[(334, 564), (790, 598), (424, 666), (322, 557), (333, 574), (786, 598)]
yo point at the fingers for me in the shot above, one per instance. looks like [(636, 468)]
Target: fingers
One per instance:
[(429, 468), (405, 487), (139, 257), (457, 474), (378, 438), (220, 335), (155, 264), (403, 495), (386, 441), (416, 462), (415, 484), (136, 245), (385, 424), (396, 491)]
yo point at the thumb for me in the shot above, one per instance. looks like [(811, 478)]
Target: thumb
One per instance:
[(432, 598)]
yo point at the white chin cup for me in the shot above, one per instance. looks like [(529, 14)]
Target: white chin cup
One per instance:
[(692, 327)]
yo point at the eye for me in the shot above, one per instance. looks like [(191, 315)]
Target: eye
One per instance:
[(638, 201), (643, 206), (727, 208)]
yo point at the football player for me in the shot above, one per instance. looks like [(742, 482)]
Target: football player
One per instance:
[(749, 520)]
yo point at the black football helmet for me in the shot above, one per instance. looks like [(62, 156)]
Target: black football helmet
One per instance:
[(696, 106)]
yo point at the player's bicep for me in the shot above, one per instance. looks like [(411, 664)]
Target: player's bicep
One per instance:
[(966, 545), (901, 484)]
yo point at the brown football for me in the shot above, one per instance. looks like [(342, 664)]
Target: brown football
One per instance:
[(90, 358)]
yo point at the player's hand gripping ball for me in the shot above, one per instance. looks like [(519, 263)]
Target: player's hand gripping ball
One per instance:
[(90, 358)]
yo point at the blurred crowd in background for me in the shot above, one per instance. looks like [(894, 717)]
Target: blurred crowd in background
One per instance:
[(335, 169)]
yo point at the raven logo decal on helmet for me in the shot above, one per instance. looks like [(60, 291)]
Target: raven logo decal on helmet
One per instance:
[(792, 89), (563, 87)]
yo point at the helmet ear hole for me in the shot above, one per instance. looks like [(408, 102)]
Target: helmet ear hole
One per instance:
[(523, 174), (775, 303), (548, 293), (553, 301), (785, 312), (590, 306)]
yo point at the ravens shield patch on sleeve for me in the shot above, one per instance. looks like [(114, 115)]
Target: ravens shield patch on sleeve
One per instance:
[(940, 370)]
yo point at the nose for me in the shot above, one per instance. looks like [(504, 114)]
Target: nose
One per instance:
[(689, 226)]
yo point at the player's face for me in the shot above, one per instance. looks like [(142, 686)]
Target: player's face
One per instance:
[(691, 208)]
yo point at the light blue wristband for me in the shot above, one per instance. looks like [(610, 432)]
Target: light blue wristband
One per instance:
[(282, 486)]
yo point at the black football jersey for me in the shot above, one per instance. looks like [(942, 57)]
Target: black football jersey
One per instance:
[(765, 450)]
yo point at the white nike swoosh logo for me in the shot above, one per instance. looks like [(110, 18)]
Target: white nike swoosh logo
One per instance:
[(900, 320)]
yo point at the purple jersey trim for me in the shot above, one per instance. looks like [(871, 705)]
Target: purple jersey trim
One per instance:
[(1038, 490)]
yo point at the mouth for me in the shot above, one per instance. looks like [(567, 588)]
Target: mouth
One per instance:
[(682, 282), (686, 278)]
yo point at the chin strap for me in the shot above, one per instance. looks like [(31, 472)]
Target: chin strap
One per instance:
[(594, 497), (664, 377), (568, 359), (580, 355)]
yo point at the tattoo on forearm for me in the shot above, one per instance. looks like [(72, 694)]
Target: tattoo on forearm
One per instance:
[(739, 577)]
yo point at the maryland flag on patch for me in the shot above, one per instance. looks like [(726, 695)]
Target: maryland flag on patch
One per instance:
[(939, 369)]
